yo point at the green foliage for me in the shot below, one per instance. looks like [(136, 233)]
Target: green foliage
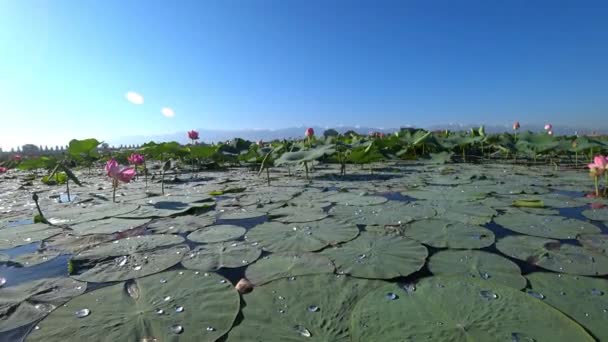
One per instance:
[(86, 148)]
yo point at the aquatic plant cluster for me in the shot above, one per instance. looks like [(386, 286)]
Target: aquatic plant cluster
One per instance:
[(429, 236)]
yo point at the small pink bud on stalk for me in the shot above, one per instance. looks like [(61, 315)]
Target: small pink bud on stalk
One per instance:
[(548, 127)]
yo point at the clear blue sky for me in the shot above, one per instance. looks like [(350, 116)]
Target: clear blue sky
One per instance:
[(65, 66)]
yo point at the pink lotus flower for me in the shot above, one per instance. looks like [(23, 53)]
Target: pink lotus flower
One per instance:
[(3, 169), (260, 143), (516, 125), (548, 127), (17, 157), (599, 165), (136, 159), (309, 132), (113, 169), (193, 135)]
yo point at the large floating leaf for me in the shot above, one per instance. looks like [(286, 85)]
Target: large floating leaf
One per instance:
[(550, 226), (450, 234), (242, 215), (349, 198), (35, 258), (31, 301), (79, 214), (378, 257), (297, 214), (582, 298), (309, 308), (130, 245), (131, 311), (594, 242), (305, 237), (479, 265), (553, 255), (285, 265), (597, 214), (465, 212), (22, 235), (70, 243), (459, 193), (459, 309), (214, 256), (133, 265), (164, 206), (108, 226), (388, 214), (219, 233), (180, 224)]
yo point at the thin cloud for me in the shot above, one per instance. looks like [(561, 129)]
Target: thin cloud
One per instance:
[(168, 112), (134, 97)]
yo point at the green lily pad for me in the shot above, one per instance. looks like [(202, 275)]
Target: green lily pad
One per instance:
[(37, 257), (376, 256), (528, 203), (180, 224), (79, 214), (459, 309), (309, 308), (553, 255), (25, 234), (597, 214), (582, 298), (297, 214), (466, 212), (594, 242), (129, 245), (349, 198), (73, 244), (26, 303), (108, 226), (134, 265), (286, 265), (550, 226), (230, 254), (130, 311), (241, 215), (450, 234), (442, 193), (389, 214), (164, 206), (219, 233), (477, 264), (305, 237)]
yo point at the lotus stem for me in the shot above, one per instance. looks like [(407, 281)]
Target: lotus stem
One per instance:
[(114, 186), (146, 173), (67, 187), (42, 218), (268, 175), (576, 159), (597, 186), (162, 182), (306, 168), (606, 184)]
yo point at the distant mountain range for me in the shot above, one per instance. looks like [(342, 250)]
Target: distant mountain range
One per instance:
[(208, 135)]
